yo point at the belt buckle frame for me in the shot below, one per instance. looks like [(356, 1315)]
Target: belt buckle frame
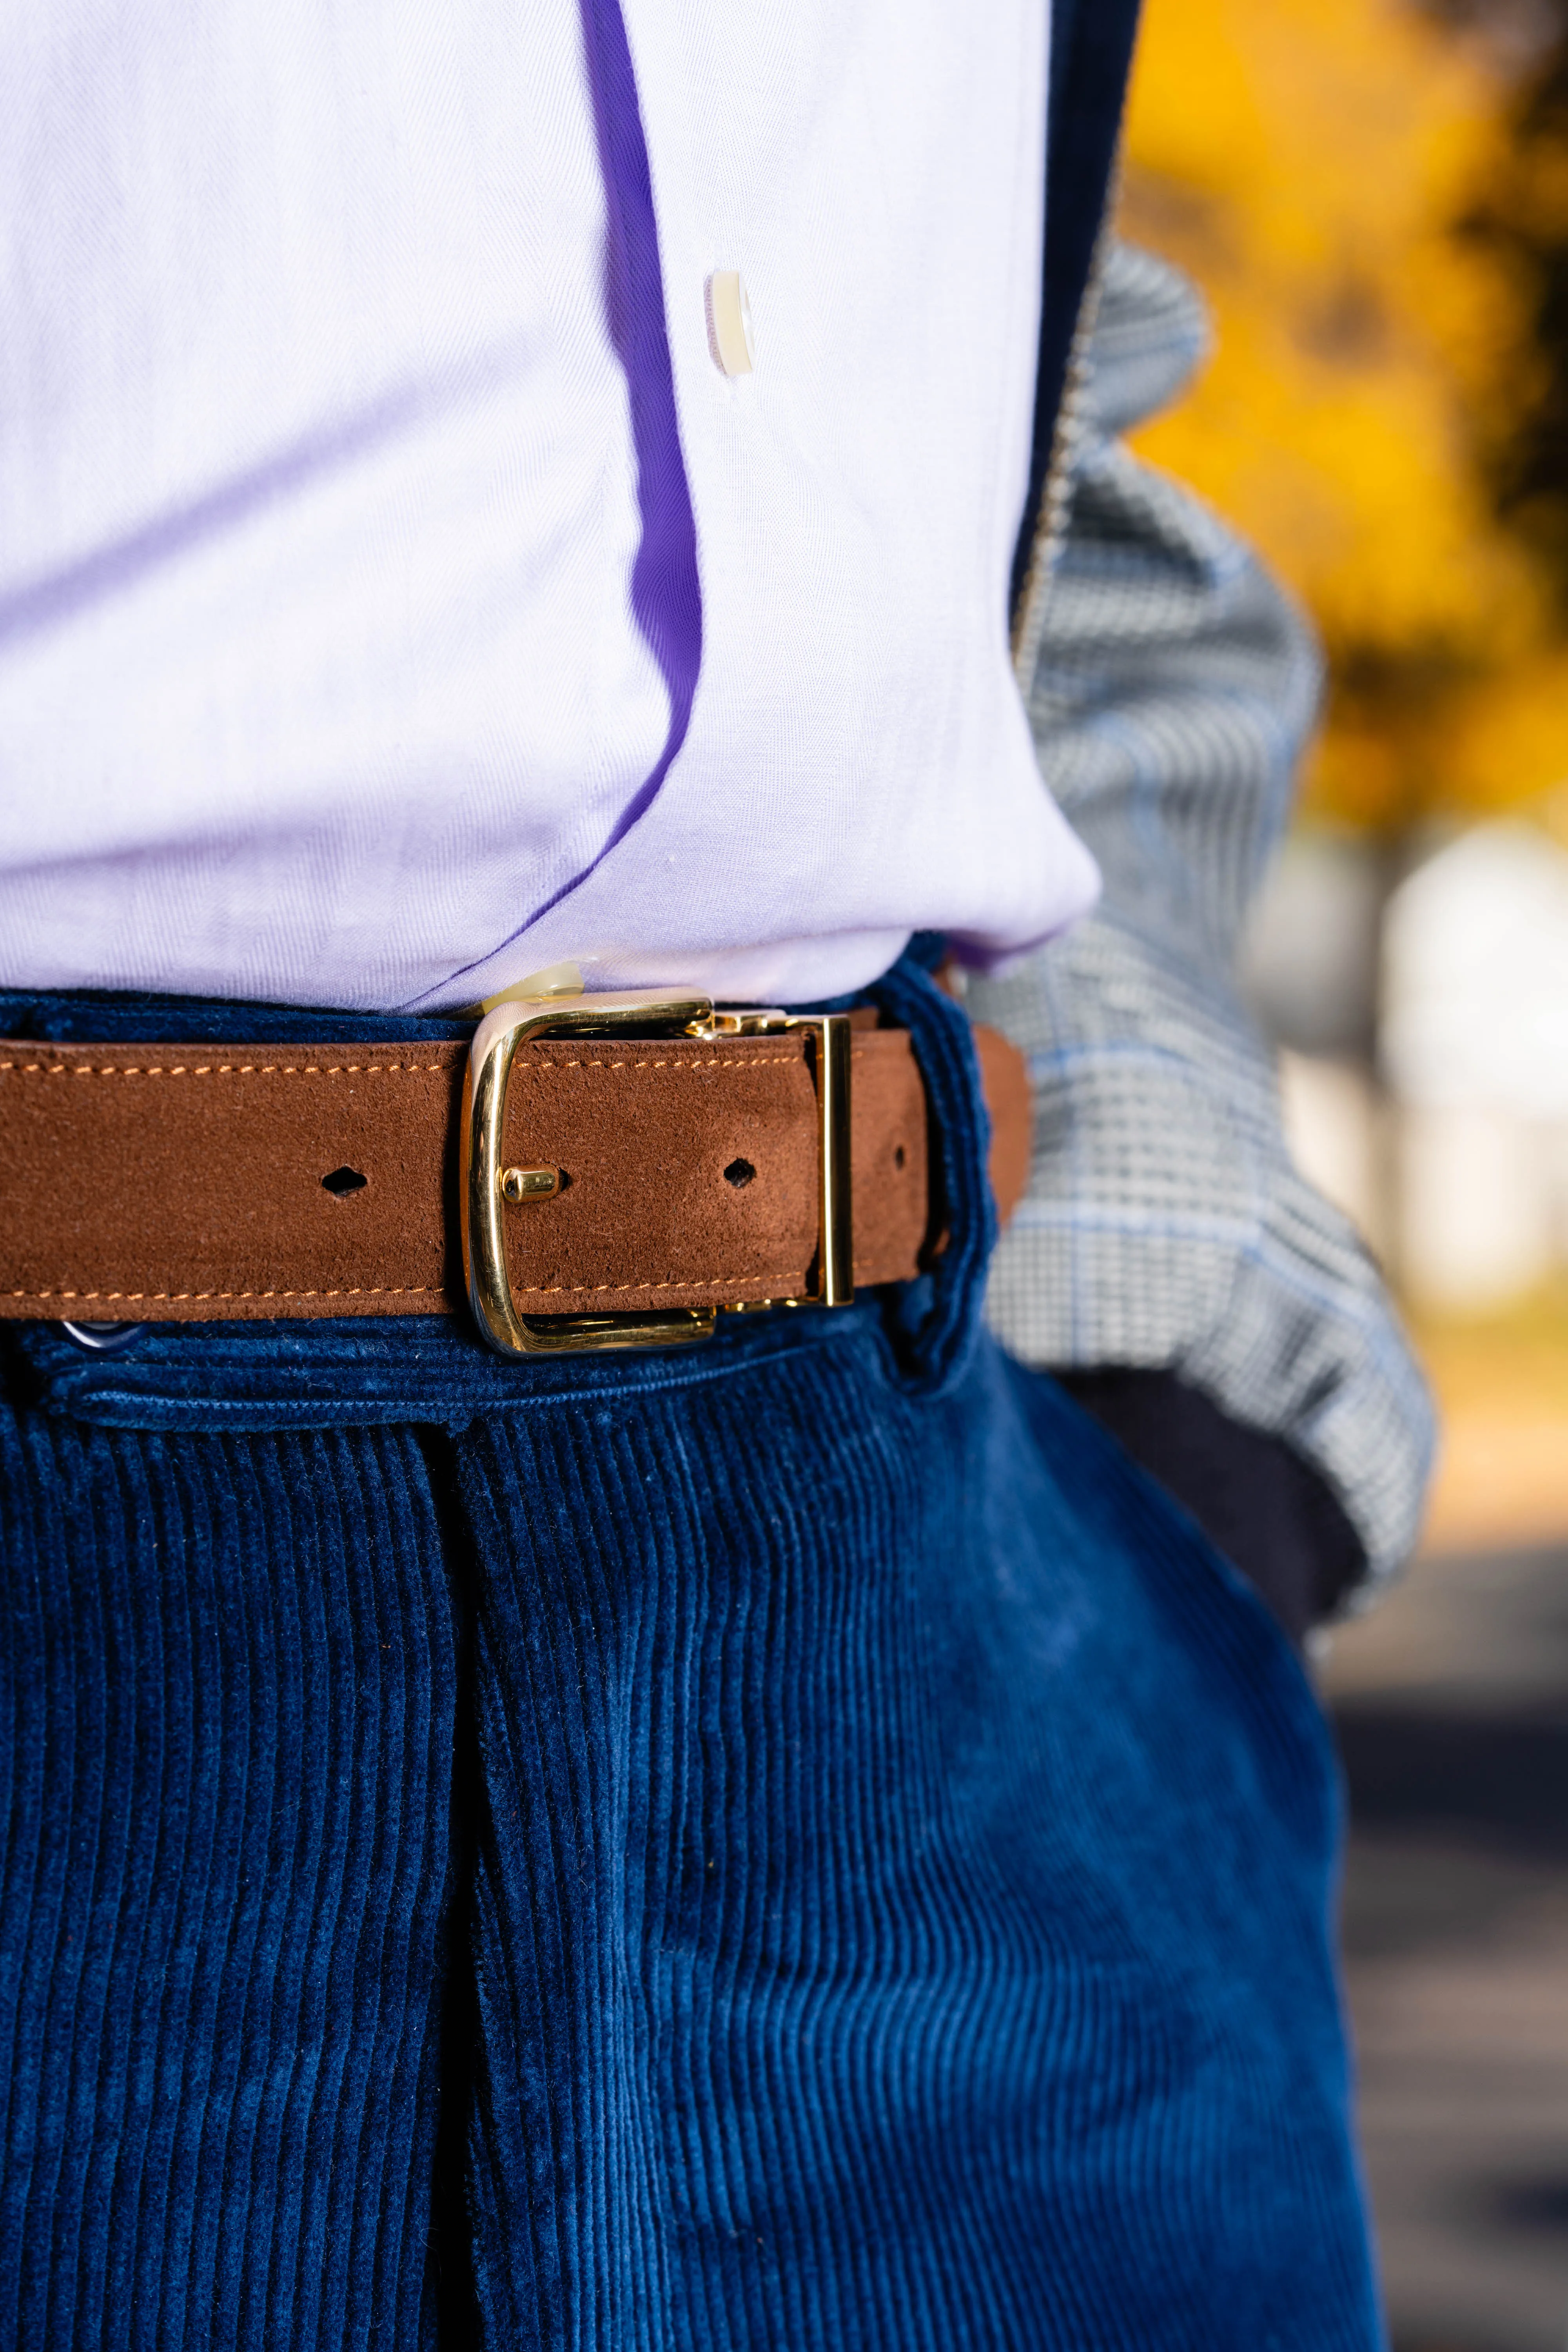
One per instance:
[(487, 1189)]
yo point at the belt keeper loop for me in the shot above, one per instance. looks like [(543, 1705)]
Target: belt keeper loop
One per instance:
[(831, 1033)]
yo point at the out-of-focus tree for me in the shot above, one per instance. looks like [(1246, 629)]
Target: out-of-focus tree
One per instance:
[(1374, 200), (1518, 222)]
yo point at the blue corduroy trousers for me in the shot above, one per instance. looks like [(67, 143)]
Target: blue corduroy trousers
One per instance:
[(791, 1844)]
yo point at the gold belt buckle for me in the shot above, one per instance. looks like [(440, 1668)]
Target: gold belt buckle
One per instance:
[(487, 1188)]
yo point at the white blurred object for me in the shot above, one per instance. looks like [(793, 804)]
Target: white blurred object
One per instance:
[(1475, 989), (1333, 1127), (1474, 1045), (1477, 1206)]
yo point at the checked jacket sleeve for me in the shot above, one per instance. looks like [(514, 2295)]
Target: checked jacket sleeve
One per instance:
[(1165, 1225)]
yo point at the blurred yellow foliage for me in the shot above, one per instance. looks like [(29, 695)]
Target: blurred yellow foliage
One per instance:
[(1310, 163)]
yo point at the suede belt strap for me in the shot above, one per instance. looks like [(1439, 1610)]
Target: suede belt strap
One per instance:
[(176, 1183)]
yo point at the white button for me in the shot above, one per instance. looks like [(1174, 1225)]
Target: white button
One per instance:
[(730, 323)]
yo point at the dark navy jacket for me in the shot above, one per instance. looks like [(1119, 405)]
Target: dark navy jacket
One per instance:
[(1091, 51)]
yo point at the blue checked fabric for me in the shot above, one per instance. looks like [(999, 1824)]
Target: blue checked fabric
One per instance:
[(1165, 1223)]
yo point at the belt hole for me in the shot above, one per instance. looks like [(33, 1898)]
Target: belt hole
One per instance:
[(897, 1155), (738, 1174), (343, 1179)]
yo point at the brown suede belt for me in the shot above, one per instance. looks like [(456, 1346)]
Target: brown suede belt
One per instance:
[(644, 1174)]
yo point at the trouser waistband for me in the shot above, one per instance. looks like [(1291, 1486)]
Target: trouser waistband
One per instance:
[(179, 1159)]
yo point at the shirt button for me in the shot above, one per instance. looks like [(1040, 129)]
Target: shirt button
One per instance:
[(730, 323)]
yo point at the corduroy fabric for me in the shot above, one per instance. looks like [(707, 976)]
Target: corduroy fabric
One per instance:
[(226, 1731), (794, 1843)]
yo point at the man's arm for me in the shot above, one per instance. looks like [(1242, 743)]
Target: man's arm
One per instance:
[(1167, 1245)]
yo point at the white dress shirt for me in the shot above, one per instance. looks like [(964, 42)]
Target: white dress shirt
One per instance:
[(397, 594)]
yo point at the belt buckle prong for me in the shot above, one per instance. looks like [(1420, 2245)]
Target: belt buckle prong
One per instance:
[(487, 1187)]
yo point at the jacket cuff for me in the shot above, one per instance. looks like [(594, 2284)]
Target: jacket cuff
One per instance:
[(1271, 1515)]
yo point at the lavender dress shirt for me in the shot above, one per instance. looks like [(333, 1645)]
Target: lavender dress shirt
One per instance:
[(396, 594)]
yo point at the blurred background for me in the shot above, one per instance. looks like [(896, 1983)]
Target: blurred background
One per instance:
[(1374, 196)]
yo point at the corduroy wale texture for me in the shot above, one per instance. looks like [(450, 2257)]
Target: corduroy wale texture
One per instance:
[(794, 1843)]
